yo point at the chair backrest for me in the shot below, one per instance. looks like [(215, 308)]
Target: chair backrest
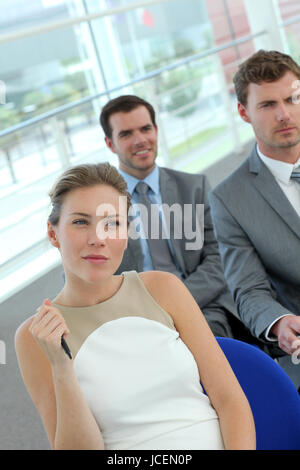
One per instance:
[(273, 398)]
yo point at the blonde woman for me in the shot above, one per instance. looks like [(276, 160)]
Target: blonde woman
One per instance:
[(139, 343)]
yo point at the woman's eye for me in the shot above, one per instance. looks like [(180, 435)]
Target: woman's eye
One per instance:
[(79, 222), (113, 223)]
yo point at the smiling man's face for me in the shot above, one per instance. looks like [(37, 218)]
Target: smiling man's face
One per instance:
[(134, 140)]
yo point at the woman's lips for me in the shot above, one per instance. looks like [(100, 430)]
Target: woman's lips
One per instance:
[(95, 259)]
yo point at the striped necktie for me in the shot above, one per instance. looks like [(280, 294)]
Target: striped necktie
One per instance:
[(295, 176)]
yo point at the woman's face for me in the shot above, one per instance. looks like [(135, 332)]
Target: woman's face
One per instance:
[(92, 232)]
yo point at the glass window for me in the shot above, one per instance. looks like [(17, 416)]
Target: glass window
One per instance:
[(54, 80), (289, 10)]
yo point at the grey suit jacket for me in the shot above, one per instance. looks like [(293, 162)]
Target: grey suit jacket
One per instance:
[(258, 232), (202, 268)]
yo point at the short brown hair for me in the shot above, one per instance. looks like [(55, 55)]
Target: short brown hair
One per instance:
[(125, 104), (263, 66), (84, 176)]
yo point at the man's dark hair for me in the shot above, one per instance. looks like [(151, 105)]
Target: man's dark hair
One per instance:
[(125, 104), (263, 66)]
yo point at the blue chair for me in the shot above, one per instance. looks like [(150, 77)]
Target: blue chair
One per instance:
[(273, 398)]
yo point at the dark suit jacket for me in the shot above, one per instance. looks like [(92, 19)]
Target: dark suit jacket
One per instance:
[(202, 268), (258, 232)]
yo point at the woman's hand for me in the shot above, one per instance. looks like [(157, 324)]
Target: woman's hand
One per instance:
[(47, 327)]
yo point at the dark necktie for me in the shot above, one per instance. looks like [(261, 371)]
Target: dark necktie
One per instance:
[(295, 176), (162, 259)]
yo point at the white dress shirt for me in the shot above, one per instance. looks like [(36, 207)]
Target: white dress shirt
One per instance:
[(282, 173)]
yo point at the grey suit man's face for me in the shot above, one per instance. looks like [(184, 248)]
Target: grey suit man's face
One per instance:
[(273, 109), (134, 140)]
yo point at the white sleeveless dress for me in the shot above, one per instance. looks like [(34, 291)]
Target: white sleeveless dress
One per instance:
[(140, 380)]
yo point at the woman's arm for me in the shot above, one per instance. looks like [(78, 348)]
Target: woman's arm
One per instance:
[(50, 379), (217, 377)]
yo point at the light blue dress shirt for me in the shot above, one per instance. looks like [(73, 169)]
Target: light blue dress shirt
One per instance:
[(155, 197)]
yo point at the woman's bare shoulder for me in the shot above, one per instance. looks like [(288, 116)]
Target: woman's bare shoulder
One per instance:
[(158, 281), (23, 332), (165, 288), (29, 353)]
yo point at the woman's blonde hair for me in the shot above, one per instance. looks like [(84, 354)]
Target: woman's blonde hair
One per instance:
[(84, 176)]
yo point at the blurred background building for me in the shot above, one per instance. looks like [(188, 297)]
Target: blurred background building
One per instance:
[(60, 62)]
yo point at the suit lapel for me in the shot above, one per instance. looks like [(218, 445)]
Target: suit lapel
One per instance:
[(266, 184), (170, 196)]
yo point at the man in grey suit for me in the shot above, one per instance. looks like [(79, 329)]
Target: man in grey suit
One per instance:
[(256, 210), (131, 132)]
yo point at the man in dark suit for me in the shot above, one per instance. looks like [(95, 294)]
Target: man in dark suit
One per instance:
[(256, 210), (131, 133)]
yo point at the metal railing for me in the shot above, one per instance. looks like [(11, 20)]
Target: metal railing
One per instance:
[(187, 60), (290, 21), (4, 38)]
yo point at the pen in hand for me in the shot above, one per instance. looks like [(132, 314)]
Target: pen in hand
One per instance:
[(62, 341), (66, 347)]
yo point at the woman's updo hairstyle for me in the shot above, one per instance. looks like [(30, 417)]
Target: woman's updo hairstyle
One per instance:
[(84, 176)]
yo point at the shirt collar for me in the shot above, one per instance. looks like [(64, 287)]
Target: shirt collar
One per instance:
[(152, 180), (279, 169)]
